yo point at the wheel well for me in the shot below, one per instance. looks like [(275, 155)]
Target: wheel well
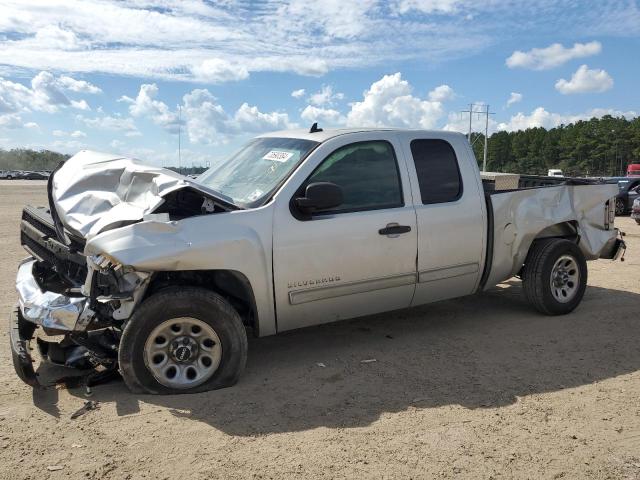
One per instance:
[(232, 285), (567, 230)]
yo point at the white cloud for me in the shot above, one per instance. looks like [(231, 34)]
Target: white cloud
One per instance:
[(442, 94), (250, 119), (146, 105), (74, 134), (514, 98), (208, 123), (80, 104), (11, 121), (298, 93), (389, 102), (112, 122), (31, 125), (47, 94), (325, 97), (540, 117), (552, 56), (585, 81), (427, 6), (79, 86), (52, 36), (117, 144), (217, 70), (68, 146), (219, 41), (325, 116)]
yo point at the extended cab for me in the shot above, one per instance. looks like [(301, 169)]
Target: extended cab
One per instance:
[(162, 276)]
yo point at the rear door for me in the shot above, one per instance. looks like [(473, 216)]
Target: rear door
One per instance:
[(352, 260), (451, 215)]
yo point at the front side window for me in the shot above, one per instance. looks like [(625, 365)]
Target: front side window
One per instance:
[(250, 176), (437, 169), (367, 173)]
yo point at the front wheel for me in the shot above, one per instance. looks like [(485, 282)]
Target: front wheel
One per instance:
[(183, 340), (554, 276)]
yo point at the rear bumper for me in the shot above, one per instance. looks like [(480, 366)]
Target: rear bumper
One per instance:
[(613, 249), (51, 310), (20, 333)]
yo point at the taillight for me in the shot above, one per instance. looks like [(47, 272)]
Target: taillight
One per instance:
[(609, 213)]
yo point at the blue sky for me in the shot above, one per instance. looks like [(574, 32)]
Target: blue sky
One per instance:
[(126, 76)]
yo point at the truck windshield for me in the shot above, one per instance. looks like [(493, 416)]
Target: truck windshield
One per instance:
[(251, 175)]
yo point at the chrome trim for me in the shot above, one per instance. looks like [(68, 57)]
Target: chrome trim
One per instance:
[(447, 272), (297, 297)]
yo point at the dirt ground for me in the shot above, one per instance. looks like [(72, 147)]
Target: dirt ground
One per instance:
[(481, 387)]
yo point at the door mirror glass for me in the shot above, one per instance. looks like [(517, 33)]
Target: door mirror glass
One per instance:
[(320, 196)]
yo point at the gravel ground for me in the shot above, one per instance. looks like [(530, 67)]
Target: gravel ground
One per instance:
[(481, 387)]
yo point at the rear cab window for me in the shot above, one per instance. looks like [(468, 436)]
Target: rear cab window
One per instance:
[(437, 169)]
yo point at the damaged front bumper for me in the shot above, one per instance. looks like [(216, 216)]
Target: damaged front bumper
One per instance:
[(89, 317), (53, 311)]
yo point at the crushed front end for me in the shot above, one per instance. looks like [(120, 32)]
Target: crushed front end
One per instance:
[(82, 301)]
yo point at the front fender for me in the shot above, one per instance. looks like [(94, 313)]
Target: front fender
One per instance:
[(239, 241)]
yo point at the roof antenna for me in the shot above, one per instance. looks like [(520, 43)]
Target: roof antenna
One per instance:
[(314, 128)]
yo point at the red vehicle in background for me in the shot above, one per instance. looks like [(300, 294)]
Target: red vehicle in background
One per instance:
[(633, 170)]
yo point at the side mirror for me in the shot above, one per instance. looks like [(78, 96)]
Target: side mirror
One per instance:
[(319, 196)]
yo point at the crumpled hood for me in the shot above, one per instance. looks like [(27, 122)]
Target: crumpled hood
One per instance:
[(93, 192)]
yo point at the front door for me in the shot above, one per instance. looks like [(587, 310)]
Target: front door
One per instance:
[(352, 260)]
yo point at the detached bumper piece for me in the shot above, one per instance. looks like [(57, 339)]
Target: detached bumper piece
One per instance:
[(20, 334)]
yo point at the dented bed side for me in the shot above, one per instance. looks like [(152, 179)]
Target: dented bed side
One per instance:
[(519, 217)]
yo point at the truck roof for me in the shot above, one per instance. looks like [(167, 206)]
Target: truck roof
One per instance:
[(328, 133)]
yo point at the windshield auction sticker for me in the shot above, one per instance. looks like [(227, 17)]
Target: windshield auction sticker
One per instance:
[(278, 156)]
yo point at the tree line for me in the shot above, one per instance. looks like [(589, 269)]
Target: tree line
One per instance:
[(597, 147), (31, 160)]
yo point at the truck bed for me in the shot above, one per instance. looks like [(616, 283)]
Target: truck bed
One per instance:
[(578, 209)]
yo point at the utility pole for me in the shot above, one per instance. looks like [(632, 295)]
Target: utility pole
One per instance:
[(179, 134), (486, 137), (485, 112), (470, 112)]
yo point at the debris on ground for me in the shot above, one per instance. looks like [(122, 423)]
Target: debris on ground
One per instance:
[(320, 364), (368, 360), (55, 468), (88, 405)]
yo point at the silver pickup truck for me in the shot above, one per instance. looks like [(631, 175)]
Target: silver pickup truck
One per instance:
[(140, 270)]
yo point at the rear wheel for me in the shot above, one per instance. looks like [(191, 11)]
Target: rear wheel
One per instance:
[(554, 276), (183, 341)]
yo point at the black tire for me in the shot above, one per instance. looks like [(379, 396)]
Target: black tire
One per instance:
[(620, 206), (537, 273), (198, 303), (638, 221)]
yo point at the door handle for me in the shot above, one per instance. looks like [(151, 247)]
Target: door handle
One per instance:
[(394, 229)]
